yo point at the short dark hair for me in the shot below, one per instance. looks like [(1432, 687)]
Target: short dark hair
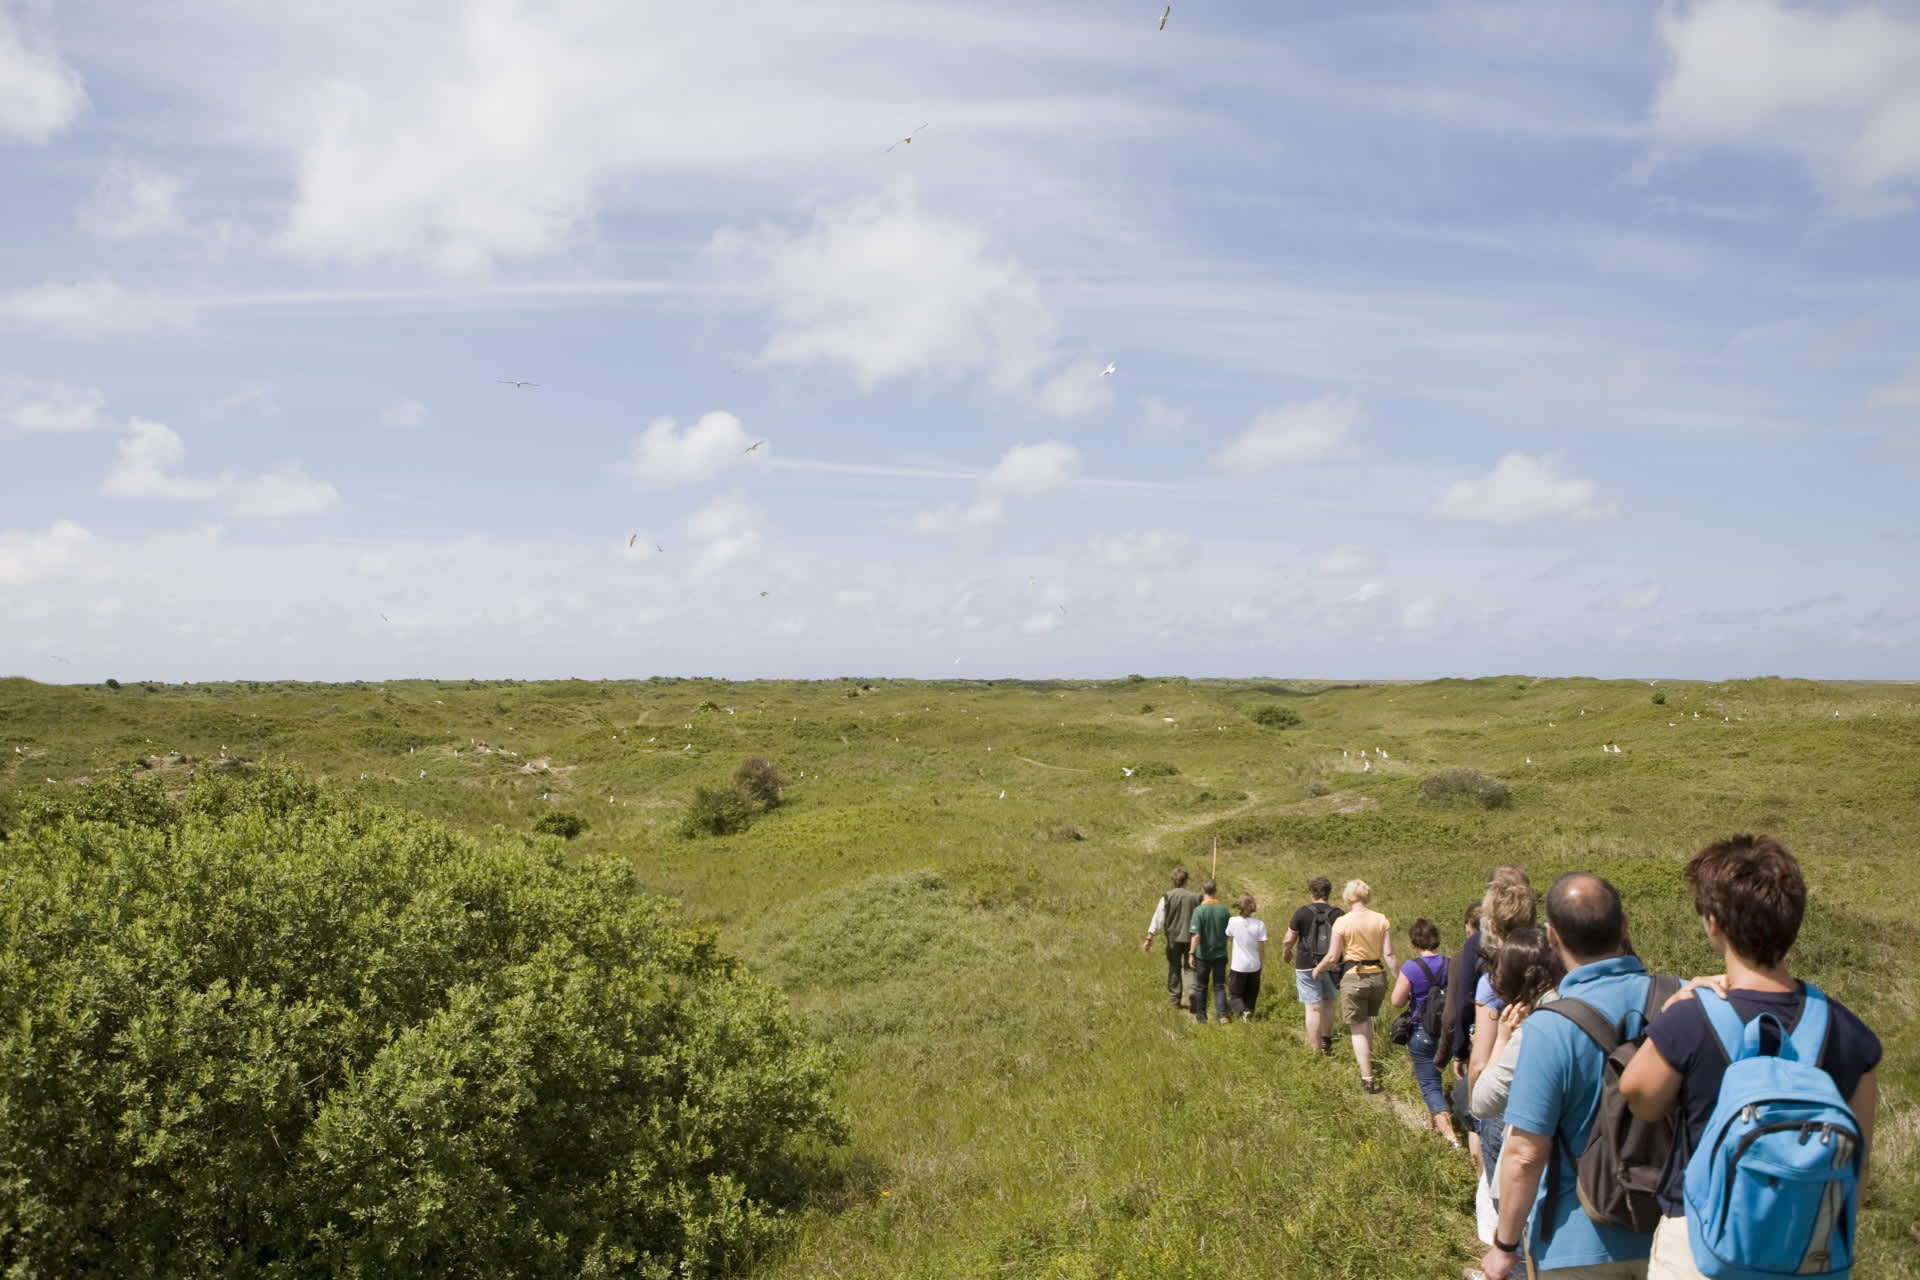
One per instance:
[(1209, 888), (1472, 918), (1319, 887), (1585, 911), (1753, 889), (1524, 966), (1424, 934), (1179, 877)]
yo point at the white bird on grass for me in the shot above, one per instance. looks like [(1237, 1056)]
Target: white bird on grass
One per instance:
[(1529, 759), (1366, 766), (1127, 771), (423, 773), (1003, 795)]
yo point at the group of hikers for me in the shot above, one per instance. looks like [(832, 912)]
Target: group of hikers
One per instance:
[(1621, 1123)]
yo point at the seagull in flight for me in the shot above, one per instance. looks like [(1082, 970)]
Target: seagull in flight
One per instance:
[(1165, 16), (763, 595), (657, 547), (509, 382), (906, 141), (755, 445), (635, 538), (1106, 372)]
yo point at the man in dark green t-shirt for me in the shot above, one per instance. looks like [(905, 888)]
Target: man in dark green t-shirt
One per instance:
[(1209, 954)]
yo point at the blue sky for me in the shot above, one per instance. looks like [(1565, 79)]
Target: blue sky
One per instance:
[(1448, 339)]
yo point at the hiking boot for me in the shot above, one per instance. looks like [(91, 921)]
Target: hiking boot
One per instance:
[(1368, 1084)]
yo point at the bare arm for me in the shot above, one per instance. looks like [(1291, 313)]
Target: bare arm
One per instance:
[(1286, 946), (1650, 1084), (1386, 947), (1402, 991), (1865, 1100), (1336, 945), (1486, 1028)]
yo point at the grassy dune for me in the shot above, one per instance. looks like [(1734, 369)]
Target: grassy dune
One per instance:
[(1022, 1102)]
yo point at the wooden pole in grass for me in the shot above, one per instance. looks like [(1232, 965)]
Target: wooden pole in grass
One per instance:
[(1216, 859)]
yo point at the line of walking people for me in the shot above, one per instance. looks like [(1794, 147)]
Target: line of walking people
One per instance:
[(1621, 1123)]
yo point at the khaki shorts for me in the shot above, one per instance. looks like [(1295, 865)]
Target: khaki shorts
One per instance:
[(1362, 992)]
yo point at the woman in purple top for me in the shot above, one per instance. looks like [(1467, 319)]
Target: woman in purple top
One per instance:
[(1419, 978)]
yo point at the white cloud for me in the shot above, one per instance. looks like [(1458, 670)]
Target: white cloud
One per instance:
[(852, 599), (1077, 390), (285, 491), (1523, 488), (404, 414), (94, 309), (1041, 623), (40, 95), (889, 291), (1643, 597), (133, 200), (664, 457), (372, 564), (1343, 561), (1162, 421), (1293, 433), (1902, 393), (729, 528), (1152, 547), (1028, 469), (147, 457), (1839, 88), (51, 407), (1365, 592), (27, 558), (1418, 616), (1023, 471)]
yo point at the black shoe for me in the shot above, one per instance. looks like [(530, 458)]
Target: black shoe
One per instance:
[(1368, 1084)]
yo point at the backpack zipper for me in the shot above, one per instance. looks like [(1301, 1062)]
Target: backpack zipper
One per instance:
[(1806, 1128)]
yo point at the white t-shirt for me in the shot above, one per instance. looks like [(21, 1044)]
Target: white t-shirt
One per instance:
[(1246, 934)]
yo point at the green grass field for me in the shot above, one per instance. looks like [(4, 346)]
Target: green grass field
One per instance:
[(1021, 1100)]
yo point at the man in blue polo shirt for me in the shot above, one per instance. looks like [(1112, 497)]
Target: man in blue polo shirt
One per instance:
[(1556, 1095)]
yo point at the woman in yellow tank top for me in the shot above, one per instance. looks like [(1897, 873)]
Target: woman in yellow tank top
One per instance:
[(1362, 945)]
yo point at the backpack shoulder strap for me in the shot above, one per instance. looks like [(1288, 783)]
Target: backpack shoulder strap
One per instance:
[(1661, 987), (1422, 962), (1588, 1019), (1810, 1033), (1726, 1024)]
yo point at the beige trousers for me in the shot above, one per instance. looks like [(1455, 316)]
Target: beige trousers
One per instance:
[(1672, 1252)]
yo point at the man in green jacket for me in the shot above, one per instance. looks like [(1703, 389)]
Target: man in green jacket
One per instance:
[(1209, 954), (1174, 916)]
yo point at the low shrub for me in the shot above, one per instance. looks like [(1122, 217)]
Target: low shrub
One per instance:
[(1155, 769), (1061, 833), (1463, 785), (715, 811), (336, 1041), (1317, 788), (113, 685), (1273, 716), (1659, 699), (758, 783), (557, 823)]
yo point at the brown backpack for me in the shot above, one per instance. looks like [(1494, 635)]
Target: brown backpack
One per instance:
[(1619, 1173)]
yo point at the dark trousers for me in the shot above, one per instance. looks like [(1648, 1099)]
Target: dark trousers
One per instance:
[(1243, 991), (1210, 972), (1176, 971)]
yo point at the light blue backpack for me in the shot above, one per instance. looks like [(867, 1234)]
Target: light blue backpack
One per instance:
[(1771, 1190)]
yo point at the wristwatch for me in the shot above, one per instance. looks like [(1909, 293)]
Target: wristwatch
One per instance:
[(1503, 1246)]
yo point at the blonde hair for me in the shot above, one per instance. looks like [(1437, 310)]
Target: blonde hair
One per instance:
[(1357, 891), (1510, 904), (1245, 903)]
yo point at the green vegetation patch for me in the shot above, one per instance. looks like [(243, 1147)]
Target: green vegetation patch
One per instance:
[(1461, 785)]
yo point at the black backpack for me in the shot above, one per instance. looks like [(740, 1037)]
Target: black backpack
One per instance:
[(1318, 937), (1619, 1173), (1434, 1010)]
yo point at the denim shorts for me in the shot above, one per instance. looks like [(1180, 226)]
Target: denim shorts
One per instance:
[(1312, 990)]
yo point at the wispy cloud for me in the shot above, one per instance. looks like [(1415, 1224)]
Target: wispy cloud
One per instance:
[(93, 309), (404, 414), (52, 407), (148, 457), (664, 457), (41, 95), (131, 200), (1024, 471), (1294, 433)]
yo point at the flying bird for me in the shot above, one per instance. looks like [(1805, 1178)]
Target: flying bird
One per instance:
[(906, 141), (630, 541), (1126, 771), (763, 595), (755, 445), (1165, 16), (1108, 370), (509, 382)]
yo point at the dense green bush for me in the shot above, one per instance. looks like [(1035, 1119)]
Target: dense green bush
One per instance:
[(758, 783), (1155, 769), (1317, 788), (1273, 716), (1462, 785), (113, 685), (557, 823), (1659, 699), (715, 811), (254, 1035)]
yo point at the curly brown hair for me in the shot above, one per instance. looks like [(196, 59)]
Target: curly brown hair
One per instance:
[(1753, 889)]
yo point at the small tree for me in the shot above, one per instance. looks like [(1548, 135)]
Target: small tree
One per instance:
[(715, 811), (1274, 716), (758, 783), (564, 825), (1659, 699), (113, 685)]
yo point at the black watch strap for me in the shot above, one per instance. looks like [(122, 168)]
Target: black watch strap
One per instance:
[(1503, 1246)]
